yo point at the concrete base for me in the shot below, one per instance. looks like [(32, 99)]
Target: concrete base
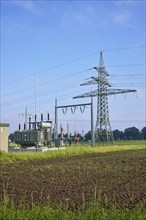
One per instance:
[(33, 149)]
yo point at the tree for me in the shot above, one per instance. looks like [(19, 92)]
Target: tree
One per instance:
[(143, 133), (11, 137), (118, 135), (132, 133), (88, 136)]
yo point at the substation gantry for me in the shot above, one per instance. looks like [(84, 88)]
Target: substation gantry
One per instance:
[(103, 131), (73, 108)]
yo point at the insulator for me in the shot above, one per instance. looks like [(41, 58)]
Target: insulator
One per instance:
[(29, 123), (64, 110), (35, 121), (73, 109), (41, 117)]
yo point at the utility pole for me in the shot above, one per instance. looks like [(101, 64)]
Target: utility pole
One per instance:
[(56, 124), (92, 124)]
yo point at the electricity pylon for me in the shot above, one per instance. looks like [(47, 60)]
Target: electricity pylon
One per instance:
[(103, 131)]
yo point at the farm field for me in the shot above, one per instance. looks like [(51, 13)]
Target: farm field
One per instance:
[(112, 179)]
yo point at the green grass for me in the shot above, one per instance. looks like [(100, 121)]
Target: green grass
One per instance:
[(57, 212), (132, 142), (73, 151)]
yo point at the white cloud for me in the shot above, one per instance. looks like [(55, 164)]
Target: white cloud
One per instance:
[(122, 18), (86, 16), (82, 17), (127, 3), (141, 94), (26, 5)]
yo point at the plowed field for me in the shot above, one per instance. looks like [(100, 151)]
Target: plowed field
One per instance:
[(116, 178)]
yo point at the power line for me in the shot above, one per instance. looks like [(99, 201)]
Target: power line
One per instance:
[(63, 87), (45, 83), (69, 75), (72, 74), (132, 75), (124, 48), (21, 99), (75, 60), (110, 66), (115, 121), (127, 65), (53, 90)]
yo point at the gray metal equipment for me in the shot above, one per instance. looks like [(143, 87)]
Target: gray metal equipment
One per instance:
[(39, 133)]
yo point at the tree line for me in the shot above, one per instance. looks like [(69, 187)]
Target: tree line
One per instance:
[(131, 133)]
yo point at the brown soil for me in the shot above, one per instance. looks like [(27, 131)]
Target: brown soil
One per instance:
[(112, 178)]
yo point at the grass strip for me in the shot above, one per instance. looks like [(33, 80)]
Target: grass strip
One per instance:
[(72, 151), (93, 212)]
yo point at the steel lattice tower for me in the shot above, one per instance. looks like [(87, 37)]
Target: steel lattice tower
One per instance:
[(103, 131)]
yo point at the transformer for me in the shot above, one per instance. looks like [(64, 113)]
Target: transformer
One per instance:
[(38, 135)]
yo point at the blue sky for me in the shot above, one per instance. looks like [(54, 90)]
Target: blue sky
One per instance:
[(48, 46)]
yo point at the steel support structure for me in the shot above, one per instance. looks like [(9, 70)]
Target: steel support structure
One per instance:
[(92, 124), (103, 129), (74, 106)]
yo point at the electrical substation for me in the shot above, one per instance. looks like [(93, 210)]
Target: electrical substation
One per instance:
[(39, 133)]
